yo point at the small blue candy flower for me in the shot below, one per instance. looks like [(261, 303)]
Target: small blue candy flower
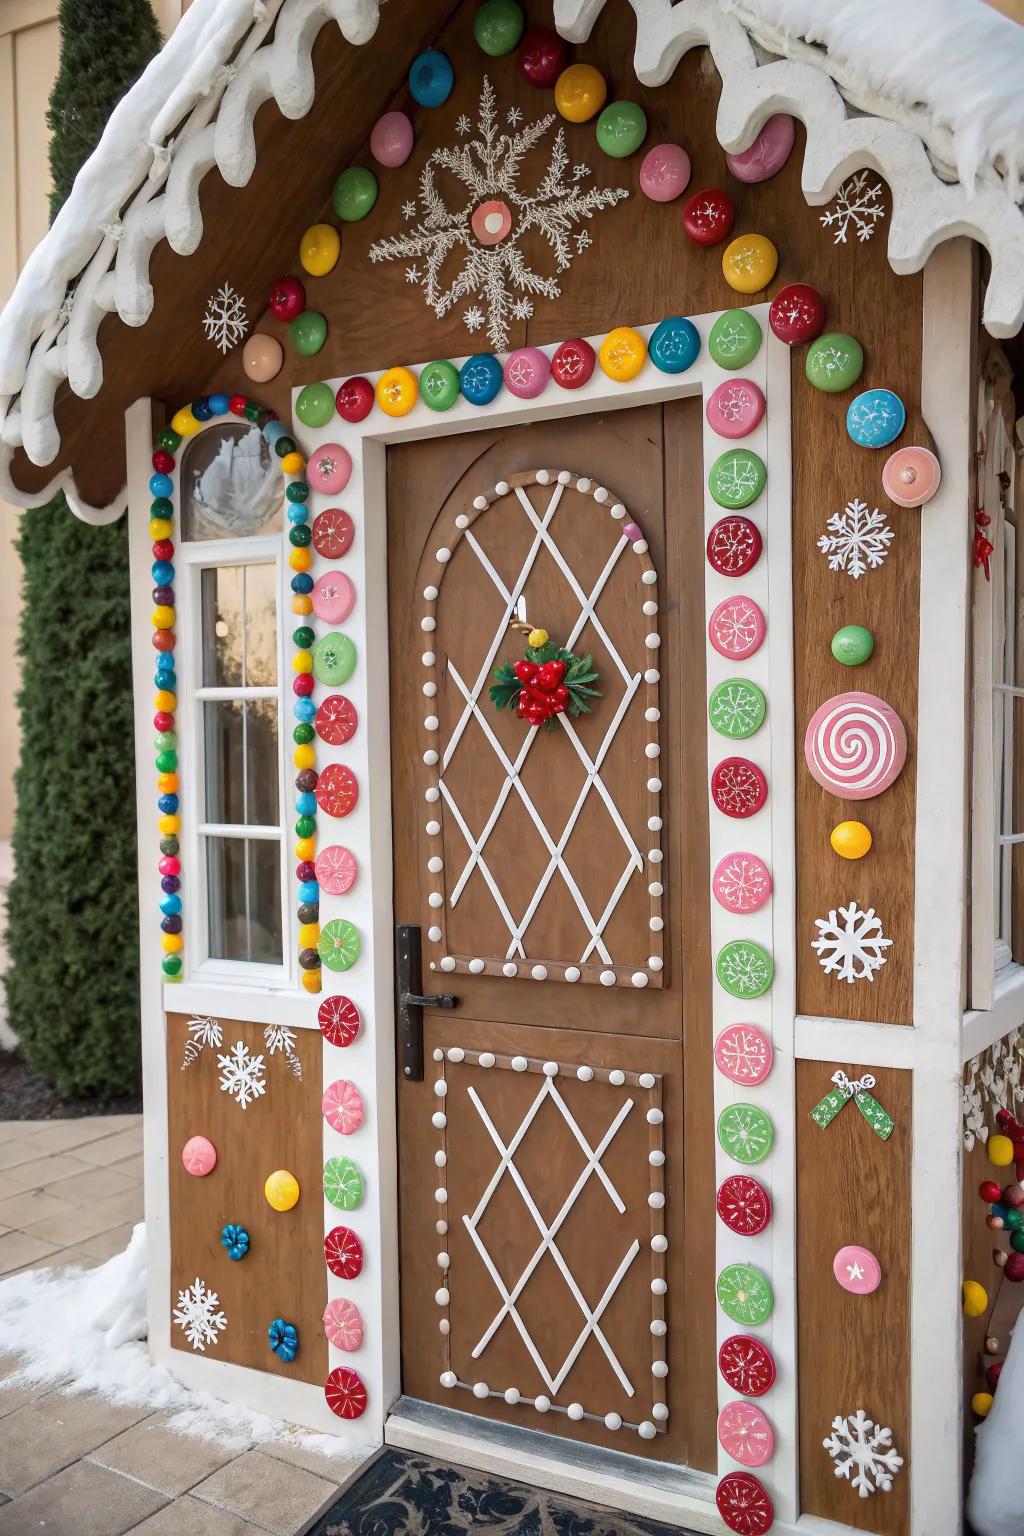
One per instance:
[(235, 1240)]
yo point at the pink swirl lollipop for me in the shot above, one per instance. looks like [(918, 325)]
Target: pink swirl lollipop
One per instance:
[(745, 1434), (333, 597), (343, 1324), (741, 883), (336, 869), (342, 1106), (855, 746)]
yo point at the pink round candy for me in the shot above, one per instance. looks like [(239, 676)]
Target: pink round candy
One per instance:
[(333, 597), (199, 1156), (768, 153), (664, 173), (911, 476), (632, 531), (741, 883), (743, 1054), (391, 139), (735, 408), (745, 1434), (343, 1324), (855, 746), (737, 627), (857, 1270), (336, 869), (526, 372), (342, 1106), (329, 468)]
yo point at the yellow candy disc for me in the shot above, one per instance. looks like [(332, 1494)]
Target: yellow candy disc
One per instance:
[(396, 391), (975, 1299), (850, 839), (183, 422), (580, 92), (282, 1190), (623, 353), (1000, 1151), (319, 249), (749, 263)]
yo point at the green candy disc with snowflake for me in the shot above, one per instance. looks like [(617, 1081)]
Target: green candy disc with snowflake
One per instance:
[(737, 708), (737, 478), (745, 1295), (734, 339), (343, 1183), (744, 969), (746, 1133)]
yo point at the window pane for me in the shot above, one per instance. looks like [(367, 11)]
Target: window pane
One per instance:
[(241, 762), (244, 900), (223, 631), (262, 807), (260, 659), (231, 485)]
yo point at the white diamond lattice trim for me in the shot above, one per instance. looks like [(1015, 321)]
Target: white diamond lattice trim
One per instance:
[(863, 1453), (850, 944), (857, 540), (198, 1315), (225, 321)]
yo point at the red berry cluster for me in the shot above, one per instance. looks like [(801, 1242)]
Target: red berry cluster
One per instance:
[(543, 694)]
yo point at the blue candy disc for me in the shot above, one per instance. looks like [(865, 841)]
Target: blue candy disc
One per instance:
[(876, 418), (675, 344), (431, 78), (480, 378)]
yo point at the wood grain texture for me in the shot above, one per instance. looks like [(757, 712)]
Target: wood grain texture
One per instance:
[(854, 1350), (283, 1274)]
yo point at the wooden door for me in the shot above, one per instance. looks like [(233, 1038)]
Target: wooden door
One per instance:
[(557, 1220)]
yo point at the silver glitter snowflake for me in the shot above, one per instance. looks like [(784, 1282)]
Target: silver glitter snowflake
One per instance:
[(857, 540), (198, 1315), (489, 167), (241, 1075), (225, 321), (863, 1453), (857, 206), (850, 944)]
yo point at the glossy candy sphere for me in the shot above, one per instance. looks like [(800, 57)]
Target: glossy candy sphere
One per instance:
[(391, 140), (262, 358), (1000, 1151), (497, 26), (1013, 1269), (981, 1404), (621, 129), (439, 385), (315, 405), (708, 216), (282, 1190), (287, 298), (573, 363), (674, 345), (396, 391), (199, 1156), (834, 362), (526, 372), (431, 79), (797, 314), (622, 354), (989, 1191), (329, 469), (665, 173), (850, 840), (319, 249), (480, 378), (184, 422), (580, 93), (768, 153), (852, 645), (355, 193), (308, 332), (542, 56), (735, 339), (354, 400), (876, 418), (749, 263)]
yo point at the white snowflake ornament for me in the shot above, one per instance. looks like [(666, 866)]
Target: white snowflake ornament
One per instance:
[(858, 206), (863, 1453), (856, 540), (850, 944), (225, 321), (198, 1315), (241, 1075)]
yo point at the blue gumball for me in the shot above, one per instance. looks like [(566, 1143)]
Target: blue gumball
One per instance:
[(302, 583), (309, 891), (431, 78), (219, 405), (304, 710), (284, 1339), (675, 345), (170, 906), (875, 418), (480, 378), (165, 662), (201, 409), (160, 485), (235, 1240), (162, 572), (298, 512), (167, 805), (1002, 1211), (273, 431), (305, 804)]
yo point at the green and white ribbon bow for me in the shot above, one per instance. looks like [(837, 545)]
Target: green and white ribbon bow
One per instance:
[(856, 1089)]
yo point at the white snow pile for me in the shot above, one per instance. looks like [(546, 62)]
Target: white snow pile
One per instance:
[(84, 1331), (993, 1502)]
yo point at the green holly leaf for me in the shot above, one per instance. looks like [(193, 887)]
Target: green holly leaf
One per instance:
[(505, 688)]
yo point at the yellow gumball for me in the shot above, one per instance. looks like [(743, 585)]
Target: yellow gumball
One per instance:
[(623, 353), (163, 617), (305, 848), (172, 943), (537, 637), (165, 701), (1000, 1151), (981, 1402), (850, 839), (169, 825), (282, 1190), (304, 756), (302, 661), (580, 92), (167, 783), (292, 464), (396, 391), (183, 422), (302, 603), (311, 980), (300, 559), (160, 528), (749, 263), (319, 249), (309, 935), (975, 1299)]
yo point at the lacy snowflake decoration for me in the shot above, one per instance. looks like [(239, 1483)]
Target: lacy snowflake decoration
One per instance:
[(276, 1037), (863, 1453), (858, 206), (857, 540), (198, 1315), (202, 1033), (489, 167), (225, 321), (241, 1075), (851, 944)]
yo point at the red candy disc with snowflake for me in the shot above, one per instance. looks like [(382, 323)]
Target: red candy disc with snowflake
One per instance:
[(738, 787), (337, 790), (354, 399), (336, 720), (336, 869), (708, 216), (741, 883), (343, 1253), (573, 363), (333, 532), (735, 408), (345, 1393), (339, 1020), (797, 314), (744, 1505), (744, 1205), (737, 628), (743, 1054), (734, 546), (745, 1434), (747, 1365)]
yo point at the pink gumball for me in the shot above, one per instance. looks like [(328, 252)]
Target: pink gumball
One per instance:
[(342, 1106), (329, 468), (768, 153), (343, 1324), (199, 1156), (665, 173), (333, 597), (526, 372), (391, 139)]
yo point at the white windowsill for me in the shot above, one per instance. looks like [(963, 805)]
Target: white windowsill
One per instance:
[(245, 1004), (982, 1027)]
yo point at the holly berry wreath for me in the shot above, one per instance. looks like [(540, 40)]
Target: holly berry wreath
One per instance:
[(549, 681)]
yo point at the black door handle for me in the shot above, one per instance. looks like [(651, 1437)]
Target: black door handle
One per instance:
[(414, 1000), (410, 1002)]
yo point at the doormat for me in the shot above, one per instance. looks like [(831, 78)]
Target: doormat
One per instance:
[(405, 1494)]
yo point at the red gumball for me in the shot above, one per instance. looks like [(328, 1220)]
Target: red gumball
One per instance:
[(287, 298), (708, 216), (1014, 1268), (163, 720), (542, 56), (989, 1191), (237, 404), (354, 399), (797, 314), (163, 462), (163, 640), (573, 363), (303, 684), (993, 1374), (163, 549)]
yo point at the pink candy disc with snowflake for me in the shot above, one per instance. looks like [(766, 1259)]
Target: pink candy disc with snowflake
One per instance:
[(741, 883), (199, 1156), (745, 1434), (737, 628), (336, 869), (855, 746), (345, 1393), (343, 1324), (526, 372), (734, 546), (743, 1054), (735, 408), (328, 468), (342, 1106), (333, 597)]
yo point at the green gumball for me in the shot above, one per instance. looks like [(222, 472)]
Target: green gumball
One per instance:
[(621, 129), (498, 26), (852, 645), (315, 405), (355, 193), (308, 332)]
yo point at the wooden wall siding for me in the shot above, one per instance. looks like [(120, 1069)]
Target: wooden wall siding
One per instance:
[(852, 1187), (281, 1276)]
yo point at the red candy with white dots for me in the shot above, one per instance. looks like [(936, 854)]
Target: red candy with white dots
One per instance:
[(708, 216)]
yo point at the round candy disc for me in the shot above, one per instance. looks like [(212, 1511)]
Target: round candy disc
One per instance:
[(199, 1156), (797, 314), (737, 708), (339, 1020), (334, 597), (834, 362), (735, 408), (876, 418), (744, 968), (743, 1054), (281, 1190), (336, 869), (397, 389), (738, 787), (622, 354), (334, 658), (734, 546), (855, 746), (735, 339), (336, 720), (850, 839), (768, 153), (342, 1107), (573, 363), (746, 1133), (744, 1505), (480, 378), (708, 216), (343, 1326), (526, 373), (354, 400), (329, 468), (343, 1253), (747, 1365), (749, 263), (911, 476), (491, 222), (741, 883), (431, 78), (852, 645), (343, 1389), (744, 1205), (439, 385), (664, 173), (542, 56), (674, 345), (857, 1270), (745, 1295), (745, 1434), (338, 945), (391, 140), (736, 628), (337, 790), (333, 532), (343, 1183), (737, 478)]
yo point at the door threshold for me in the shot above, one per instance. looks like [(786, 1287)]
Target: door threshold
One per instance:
[(654, 1489)]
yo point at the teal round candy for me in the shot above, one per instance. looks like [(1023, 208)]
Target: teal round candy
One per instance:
[(675, 345), (734, 339), (852, 645), (737, 478), (498, 26), (355, 193), (439, 385), (334, 658), (834, 362), (308, 332), (621, 129), (315, 406)]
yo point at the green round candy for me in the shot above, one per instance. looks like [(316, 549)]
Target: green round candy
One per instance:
[(169, 845), (161, 507), (439, 385), (852, 644), (498, 26), (284, 446), (737, 708), (299, 535), (745, 1132), (745, 1295), (834, 362), (343, 1183), (165, 741), (621, 129), (305, 826), (166, 762), (735, 339), (334, 658), (303, 734), (169, 439), (1017, 1242), (744, 969), (315, 405), (737, 478), (308, 332), (303, 637), (252, 411), (355, 193), (171, 965), (338, 945), (1013, 1221), (297, 490)]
